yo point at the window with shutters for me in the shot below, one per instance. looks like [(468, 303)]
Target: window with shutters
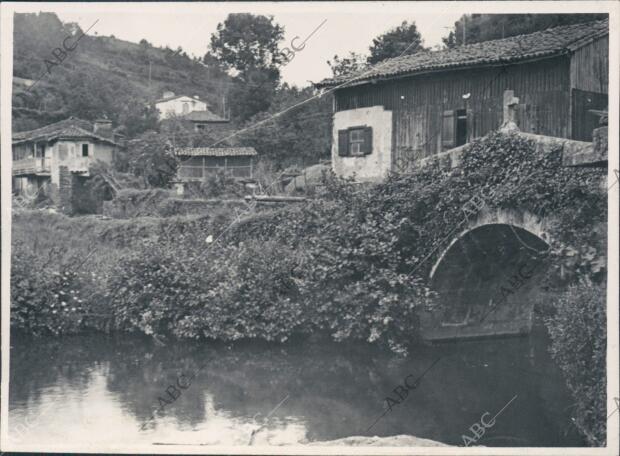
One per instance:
[(355, 142)]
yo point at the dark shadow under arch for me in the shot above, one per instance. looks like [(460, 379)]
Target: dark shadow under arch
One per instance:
[(495, 265)]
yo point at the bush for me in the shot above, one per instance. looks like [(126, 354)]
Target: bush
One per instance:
[(220, 184), (50, 298), (578, 345), (226, 293), (322, 270)]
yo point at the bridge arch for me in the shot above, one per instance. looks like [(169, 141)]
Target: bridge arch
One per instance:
[(488, 275)]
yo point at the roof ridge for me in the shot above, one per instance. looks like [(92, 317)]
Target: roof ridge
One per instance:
[(505, 39), (538, 44)]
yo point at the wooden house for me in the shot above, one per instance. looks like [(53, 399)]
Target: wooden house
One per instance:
[(411, 107), (196, 163)]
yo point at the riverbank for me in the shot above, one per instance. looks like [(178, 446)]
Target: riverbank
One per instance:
[(393, 441)]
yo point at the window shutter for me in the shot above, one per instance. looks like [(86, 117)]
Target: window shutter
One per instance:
[(448, 130), (367, 141), (343, 143)]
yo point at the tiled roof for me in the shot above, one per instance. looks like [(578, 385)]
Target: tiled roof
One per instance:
[(173, 97), (68, 128), (545, 43), (203, 116), (216, 151)]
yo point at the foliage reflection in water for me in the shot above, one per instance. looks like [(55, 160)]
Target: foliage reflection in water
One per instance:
[(101, 389)]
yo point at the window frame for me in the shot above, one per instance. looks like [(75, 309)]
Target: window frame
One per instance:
[(363, 142), (359, 142)]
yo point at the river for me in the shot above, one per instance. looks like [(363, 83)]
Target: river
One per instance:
[(97, 389)]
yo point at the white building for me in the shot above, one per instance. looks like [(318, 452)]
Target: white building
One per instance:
[(179, 105)]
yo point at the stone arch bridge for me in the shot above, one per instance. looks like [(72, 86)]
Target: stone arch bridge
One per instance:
[(488, 275)]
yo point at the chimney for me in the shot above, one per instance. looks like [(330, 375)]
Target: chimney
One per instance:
[(168, 94), (196, 97), (102, 126)]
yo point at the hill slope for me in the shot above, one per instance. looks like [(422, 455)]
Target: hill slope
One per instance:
[(103, 75)]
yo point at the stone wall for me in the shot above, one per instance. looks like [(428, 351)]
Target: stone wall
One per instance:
[(367, 168), (65, 190)]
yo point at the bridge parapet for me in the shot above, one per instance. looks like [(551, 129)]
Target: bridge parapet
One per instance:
[(574, 153)]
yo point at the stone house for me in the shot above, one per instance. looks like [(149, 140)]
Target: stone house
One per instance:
[(48, 157), (411, 107)]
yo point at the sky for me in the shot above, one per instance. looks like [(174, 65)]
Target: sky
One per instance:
[(349, 27)]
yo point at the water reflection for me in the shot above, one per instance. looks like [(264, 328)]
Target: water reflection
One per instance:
[(89, 389)]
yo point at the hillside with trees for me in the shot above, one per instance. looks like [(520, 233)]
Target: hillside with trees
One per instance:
[(105, 76), (101, 76)]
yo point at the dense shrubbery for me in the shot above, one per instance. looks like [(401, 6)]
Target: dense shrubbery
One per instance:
[(228, 293), (579, 346), (268, 289), (49, 297), (342, 263)]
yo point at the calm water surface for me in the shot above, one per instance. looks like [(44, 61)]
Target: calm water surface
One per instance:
[(101, 389)]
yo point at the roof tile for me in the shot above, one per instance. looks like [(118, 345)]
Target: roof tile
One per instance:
[(216, 151), (544, 43), (71, 127)]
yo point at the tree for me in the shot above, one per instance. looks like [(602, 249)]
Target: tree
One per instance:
[(474, 28), (302, 136), (450, 40), (253, 92), (248, 44), (138, 117), (351, 64), (151, 157), (245, 41), (402, 40)]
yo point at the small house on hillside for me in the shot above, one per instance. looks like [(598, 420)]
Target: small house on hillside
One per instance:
[(200, 119), (198, 162), (170, 104), (48, 158), (415, 106), (192, 109)]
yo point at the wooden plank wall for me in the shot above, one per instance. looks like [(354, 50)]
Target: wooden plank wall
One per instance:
[(418, 102), (589, 67)]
